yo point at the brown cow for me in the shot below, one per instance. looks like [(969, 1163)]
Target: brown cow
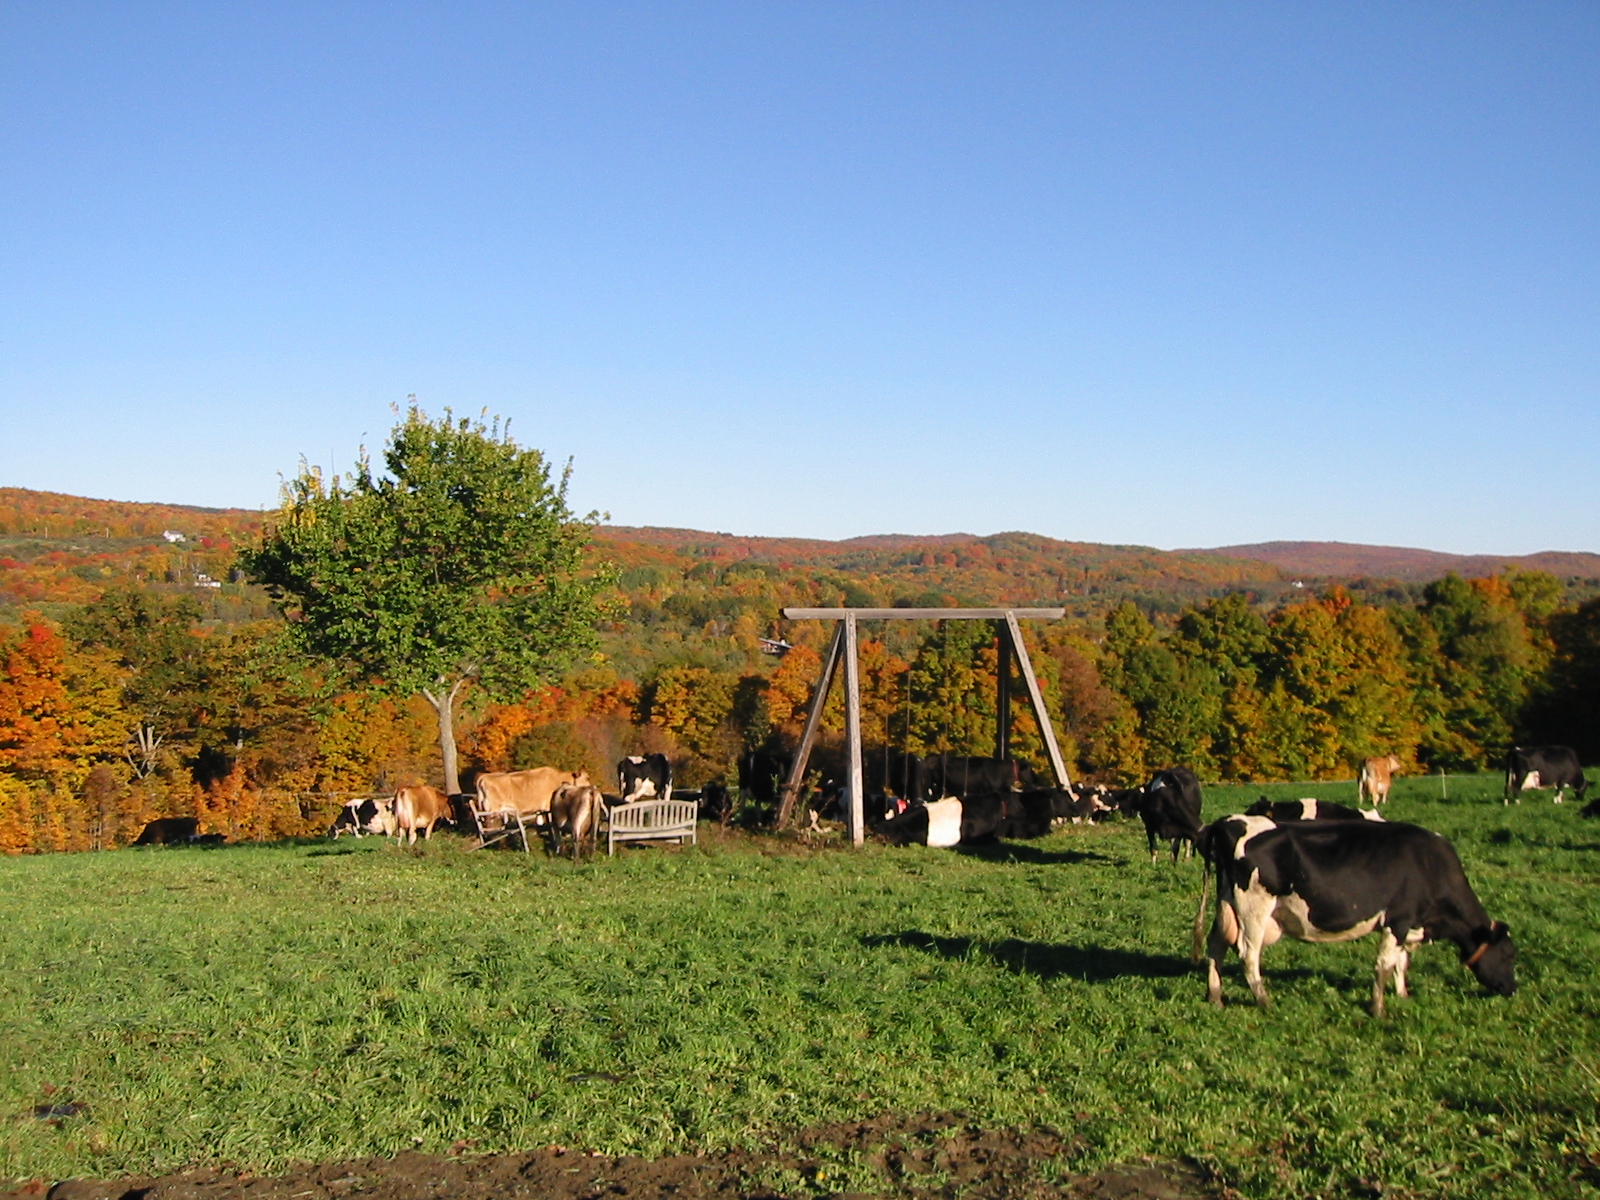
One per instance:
[(1377, 774), (420, 808), (525, 792), (575, 811)]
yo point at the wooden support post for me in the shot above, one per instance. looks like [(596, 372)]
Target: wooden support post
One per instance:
[(1036, 699), (852, 728), (802, 754), (1002, 711)]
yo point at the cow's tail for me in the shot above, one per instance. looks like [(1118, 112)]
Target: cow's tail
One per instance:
[(1197, 945)]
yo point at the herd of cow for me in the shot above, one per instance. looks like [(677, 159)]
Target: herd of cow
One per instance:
[(565, 805), (1312, 870)]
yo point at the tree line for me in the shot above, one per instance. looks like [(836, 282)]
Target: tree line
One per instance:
[(443, 612)]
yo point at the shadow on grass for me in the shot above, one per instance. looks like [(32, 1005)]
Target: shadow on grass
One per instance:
[(1021, 852), (1092, 964)]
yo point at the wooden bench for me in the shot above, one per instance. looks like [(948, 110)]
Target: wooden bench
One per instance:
[(498, 825), (652, 821)]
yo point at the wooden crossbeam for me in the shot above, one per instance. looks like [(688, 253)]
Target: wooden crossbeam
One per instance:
[(923, 614)]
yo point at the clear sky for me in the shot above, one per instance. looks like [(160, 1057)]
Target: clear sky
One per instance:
[(1178, 275)]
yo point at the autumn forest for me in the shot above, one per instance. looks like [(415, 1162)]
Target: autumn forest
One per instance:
[(148, 672)]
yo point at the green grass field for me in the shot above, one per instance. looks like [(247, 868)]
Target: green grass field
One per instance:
[(254, 1005)]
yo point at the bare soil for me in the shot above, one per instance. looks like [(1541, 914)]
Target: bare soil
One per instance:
[(917, 1158)]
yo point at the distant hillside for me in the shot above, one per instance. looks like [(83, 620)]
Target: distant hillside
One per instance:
[(51, 515), (959, 568), (1348, 560), (57, 549)]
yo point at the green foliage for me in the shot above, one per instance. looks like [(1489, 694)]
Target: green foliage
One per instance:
[(1475, 660), (251, 1006), (952, 690), (170, 666), (462, 562), (1566, 706)]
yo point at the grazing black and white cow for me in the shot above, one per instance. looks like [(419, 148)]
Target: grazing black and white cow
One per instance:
[(1309, 810), (1530, 768), (1335, 881), (361, 817), (1068, 805), (965, 775), (1169, 806), (645, 777), (957, 821)]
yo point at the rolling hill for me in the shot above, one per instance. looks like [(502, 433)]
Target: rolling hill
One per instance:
[(1347, 560)]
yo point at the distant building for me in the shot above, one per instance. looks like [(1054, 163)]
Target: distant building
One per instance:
[(172, 535), (201, 580)]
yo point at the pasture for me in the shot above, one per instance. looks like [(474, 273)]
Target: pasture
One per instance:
[(259, 1004)]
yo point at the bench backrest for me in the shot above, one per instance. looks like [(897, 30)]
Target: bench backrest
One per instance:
[(654, 816)]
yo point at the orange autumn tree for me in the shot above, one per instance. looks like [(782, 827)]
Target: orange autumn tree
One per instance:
[(60, 716)]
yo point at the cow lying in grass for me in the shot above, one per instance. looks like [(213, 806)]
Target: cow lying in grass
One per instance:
[(1335, 881), (1309, 809), (954, 821)]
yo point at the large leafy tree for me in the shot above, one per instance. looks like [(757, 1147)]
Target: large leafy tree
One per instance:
[(169, 666), (460, 562)]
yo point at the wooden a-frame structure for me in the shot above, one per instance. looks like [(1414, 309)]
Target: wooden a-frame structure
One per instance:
[(844, 648)]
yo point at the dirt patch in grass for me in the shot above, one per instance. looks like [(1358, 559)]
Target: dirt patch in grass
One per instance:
[(918, 1158)]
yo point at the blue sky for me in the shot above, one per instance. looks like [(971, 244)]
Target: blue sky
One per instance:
[(1176, 275)]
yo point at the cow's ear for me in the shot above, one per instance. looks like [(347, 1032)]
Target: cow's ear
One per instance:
[(1498, 932)]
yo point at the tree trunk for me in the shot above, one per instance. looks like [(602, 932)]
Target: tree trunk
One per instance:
[(444, 708)]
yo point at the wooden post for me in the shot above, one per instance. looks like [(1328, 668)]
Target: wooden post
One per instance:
[(852, 728), (1002, 720), (1046, 729), (802, 754)]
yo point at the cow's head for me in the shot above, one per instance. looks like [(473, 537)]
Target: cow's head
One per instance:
[(1491, 961), (1394, 763), (1130, 801)]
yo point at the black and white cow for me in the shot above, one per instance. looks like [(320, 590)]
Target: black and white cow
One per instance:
[(1075, 806), (958, 821), (361, 817), (1309, 810), (645, 777), (1335, 881), (1530, 768), (1169, 806), (965, 775)]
